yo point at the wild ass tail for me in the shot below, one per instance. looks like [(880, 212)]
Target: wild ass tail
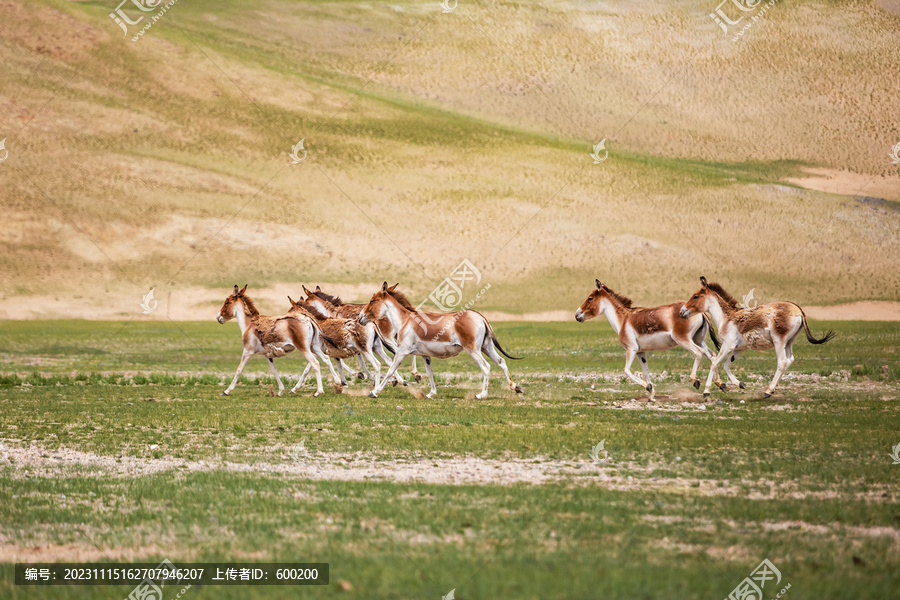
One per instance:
[(712, 331), (809, 335), (318, 331), (494, 339), (383, 340)]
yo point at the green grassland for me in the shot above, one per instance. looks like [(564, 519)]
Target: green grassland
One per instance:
[(691, 502)]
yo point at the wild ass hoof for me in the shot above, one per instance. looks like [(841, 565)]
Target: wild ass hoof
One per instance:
[(372, 394), (742, 386), (705, 395), (360, 375), (316, 395), (519, 389), (767, 395), (430, 395), (649, 387), (723, 387), (481, 395), (418, 378), (225, 393), (696, 384)]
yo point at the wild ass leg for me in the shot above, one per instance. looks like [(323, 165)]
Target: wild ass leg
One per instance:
[(398, 358), (277, 377), (629, 358), (699, 349), (643, 357), (725, 350), (379, 350), (302, 379), (415, 372), (311, 357), (430, 373), (340, 370), (318, 352), (363, 373), (491, 351), (731, 377), (245, 356), (785, 354), (485, 367), (376, 366)]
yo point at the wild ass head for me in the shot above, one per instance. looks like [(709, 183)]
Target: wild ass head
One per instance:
[(236, 301)]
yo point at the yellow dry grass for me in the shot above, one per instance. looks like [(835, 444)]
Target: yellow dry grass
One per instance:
[(164, 163)]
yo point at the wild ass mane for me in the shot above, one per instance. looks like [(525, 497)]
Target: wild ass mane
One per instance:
[(623, 300), (718, 289), (402, 299), (249, 306), (335, 300)]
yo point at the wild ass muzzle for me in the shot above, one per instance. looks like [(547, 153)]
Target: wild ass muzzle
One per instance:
[(270, 336), (435, 335), (774, 325), (643, 330)]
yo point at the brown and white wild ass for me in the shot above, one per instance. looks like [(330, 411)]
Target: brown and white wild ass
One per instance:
[(435, 335), (347, 338), (776, 324), (643, 330), (271, 337), (334, 306)]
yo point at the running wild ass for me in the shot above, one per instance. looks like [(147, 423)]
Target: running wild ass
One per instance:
[(272, 337), (333, 306), (435, 335), (776, 324), (643, 330)]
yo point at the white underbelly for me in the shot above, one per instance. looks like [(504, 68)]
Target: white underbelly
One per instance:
[(655, 342), (437, 349)]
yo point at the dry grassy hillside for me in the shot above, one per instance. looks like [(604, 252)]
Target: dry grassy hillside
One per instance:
[(435, 137)]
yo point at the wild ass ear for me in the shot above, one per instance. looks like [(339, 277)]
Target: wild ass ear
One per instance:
[(244, 289), (703, 281), (384, 287), (393, 287), (236, 290), (305, 291), (318, 289), (599, 285), (291, 301)]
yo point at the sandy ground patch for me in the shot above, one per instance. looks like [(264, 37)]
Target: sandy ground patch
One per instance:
[(850, 184), (38, 462), (202, 304)]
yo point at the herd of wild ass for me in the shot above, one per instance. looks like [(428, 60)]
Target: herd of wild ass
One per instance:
[(321, 326)]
